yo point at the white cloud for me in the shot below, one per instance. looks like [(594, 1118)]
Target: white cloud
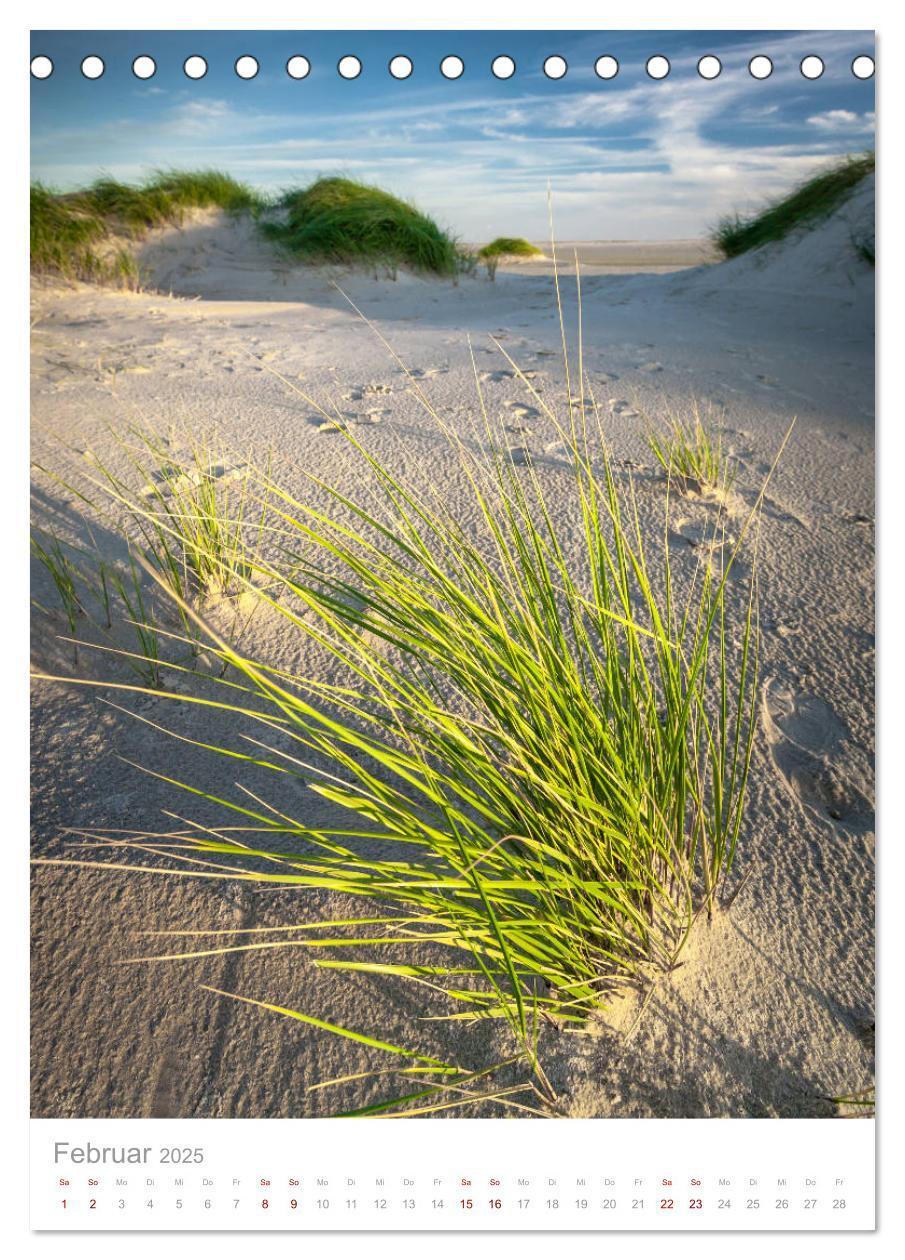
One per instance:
[(837, 120)]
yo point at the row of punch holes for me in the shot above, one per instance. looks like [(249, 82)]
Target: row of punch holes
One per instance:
[(452, 67)]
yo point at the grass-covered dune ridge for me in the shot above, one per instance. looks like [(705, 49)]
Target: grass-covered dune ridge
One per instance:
[(67, 240), (340, 220), (165, 197), (809, 203), (86, 235)]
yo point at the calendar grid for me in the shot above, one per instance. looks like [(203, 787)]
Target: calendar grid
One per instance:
[(322, 1175)]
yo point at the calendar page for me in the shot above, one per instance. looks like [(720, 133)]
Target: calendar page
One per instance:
[(452, 575)]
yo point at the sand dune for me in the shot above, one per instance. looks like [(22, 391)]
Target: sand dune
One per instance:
[(772, 1013)]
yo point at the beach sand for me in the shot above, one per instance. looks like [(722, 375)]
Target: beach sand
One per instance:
[(772, 1012)]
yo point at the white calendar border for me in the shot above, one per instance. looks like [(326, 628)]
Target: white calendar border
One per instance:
[(466, 14), (770, 15)]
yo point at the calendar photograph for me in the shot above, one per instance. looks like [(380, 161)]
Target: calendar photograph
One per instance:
[(452, 576)]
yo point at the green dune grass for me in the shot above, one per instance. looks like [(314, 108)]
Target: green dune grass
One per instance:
[(810, 202), (505, 247), (509, 246), (343, 221), (74, 235), (64, 237)]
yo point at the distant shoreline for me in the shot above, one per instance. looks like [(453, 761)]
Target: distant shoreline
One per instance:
[(622, 255)]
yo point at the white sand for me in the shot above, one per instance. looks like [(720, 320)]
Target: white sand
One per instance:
[(773, 1009)]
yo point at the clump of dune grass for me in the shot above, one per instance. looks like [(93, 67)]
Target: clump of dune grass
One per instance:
[(339, 220), (86, 581), (188, 515), (691, 454), (812, 201), (506, 247), (555, 744), (509, 246), (188, 507), (205, 189), (49, 550), (128, 585), (164, 198), (124, 208), (75, 235)]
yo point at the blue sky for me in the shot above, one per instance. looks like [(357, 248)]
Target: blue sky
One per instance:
[(626, 158)]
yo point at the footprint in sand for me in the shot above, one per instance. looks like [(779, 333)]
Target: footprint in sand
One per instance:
[(342, 423), (698, 534), (173, 480), (520, 409), (716, 548), (421, 374), (620, 407), (651, 366), (358, 392), (806, 736), (519, 428), (498, 374), (857, 518)]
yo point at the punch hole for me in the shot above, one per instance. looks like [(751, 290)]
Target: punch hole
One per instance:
[(606, 67), (812, 67), (502, 67), (246, 67), (760, 67), (863, 67), (194, 67), (657, 67), (555, 67), (401, 67), (349, 67), (452, 67), (92, 67), (41, 67), (144, 67), (298, 67), (710, 67)]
